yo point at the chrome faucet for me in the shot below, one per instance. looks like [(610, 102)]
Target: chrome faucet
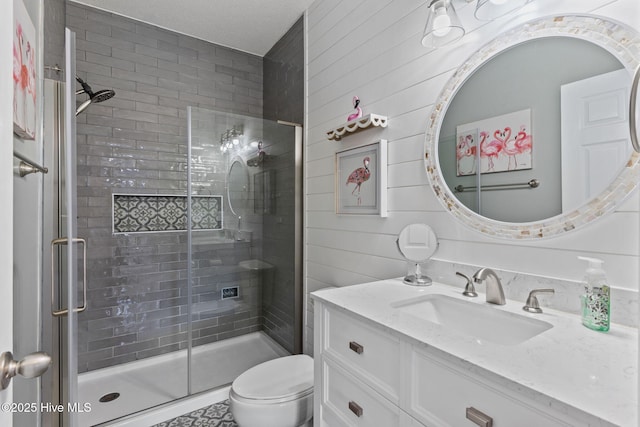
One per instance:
[(469, 290), (532, 305), (495, 294)]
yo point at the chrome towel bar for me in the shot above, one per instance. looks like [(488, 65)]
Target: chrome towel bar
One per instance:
[(534, 183), (28, 166)]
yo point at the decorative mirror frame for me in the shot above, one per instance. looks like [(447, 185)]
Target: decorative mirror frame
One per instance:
[(619, 40), (241, 162)]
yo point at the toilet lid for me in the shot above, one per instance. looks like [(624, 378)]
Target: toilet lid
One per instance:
[(276, 379)]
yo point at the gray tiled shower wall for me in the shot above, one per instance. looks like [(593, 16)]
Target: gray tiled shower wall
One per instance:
[(136, 143), (283, 100), (54, 22)]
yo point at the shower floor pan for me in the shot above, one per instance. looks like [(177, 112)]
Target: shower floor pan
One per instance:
[(162, 379)]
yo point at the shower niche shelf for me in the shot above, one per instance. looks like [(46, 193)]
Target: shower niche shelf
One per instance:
[(353, 126)]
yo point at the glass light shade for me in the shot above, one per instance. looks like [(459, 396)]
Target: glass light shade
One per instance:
[(486, 10), (443, 25)]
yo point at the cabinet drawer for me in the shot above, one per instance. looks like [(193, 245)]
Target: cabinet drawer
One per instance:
[(441, 397), (369, 353), (347, 401)]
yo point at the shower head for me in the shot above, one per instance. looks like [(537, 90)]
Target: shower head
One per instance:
[(103, 95), (99, 96)]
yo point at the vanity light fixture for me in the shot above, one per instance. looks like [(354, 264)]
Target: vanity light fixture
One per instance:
[(230, 138), (443, 25), (487, 10)]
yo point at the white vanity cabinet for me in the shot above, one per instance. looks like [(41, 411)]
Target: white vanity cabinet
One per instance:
[(361, 373), (365, 351), (367, 375), (442, 394)]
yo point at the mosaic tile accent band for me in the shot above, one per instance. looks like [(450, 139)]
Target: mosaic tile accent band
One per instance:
[(134, 213)]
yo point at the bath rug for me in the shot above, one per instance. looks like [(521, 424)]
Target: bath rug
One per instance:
[(216, 415)]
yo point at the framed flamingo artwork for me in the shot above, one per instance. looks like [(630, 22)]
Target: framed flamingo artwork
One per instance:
[(24, 73), (504, 143), (361, 180)]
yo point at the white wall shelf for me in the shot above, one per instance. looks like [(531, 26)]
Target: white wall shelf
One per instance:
[(357, 125)]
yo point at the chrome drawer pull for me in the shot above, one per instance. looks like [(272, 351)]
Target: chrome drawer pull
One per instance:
[(355, 408), (356, 347), (479, 418)]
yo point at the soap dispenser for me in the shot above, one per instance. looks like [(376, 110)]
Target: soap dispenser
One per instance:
[(596, 302)]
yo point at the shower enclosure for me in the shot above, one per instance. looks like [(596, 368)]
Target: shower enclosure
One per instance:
[(192, 262)]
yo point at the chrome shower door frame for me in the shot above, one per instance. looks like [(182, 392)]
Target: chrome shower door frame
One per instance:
[(59, 325)]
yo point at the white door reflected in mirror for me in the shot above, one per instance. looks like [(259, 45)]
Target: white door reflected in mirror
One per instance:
[(594, 135), (417, 243)]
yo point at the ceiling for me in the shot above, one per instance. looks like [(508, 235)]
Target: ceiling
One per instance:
[(252, 26)]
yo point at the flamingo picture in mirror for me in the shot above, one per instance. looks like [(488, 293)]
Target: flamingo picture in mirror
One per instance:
[(466, 153), (504, 143)]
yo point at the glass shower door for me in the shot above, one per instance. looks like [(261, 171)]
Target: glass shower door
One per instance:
[(242, 244), (64, 297)]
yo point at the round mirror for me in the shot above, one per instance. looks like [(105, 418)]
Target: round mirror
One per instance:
[(530, 137), (238, 187), (417, 243)]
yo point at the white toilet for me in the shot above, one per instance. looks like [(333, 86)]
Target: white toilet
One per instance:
[(277, 393)]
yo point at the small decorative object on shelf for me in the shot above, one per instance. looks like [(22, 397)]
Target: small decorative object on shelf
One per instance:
[(358, 112), (357, 125)]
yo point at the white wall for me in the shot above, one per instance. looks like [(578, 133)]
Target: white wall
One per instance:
[(27, 245), (6, 193), (371, 48)]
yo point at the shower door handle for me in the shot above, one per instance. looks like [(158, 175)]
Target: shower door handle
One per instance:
[(65, 241)]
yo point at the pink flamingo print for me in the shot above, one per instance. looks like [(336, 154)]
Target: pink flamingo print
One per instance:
[(510, 147), (18, 82), (30, 90), (490, 150), (31, 86), (358, 113), (16, 78), (465, 149), (24, 82), (358, 177), (523, 140)]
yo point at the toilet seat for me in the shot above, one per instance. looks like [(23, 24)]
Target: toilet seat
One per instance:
[(276, 381), (267, 402)]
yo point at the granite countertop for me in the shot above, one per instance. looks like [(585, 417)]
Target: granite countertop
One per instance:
[(569, 367)]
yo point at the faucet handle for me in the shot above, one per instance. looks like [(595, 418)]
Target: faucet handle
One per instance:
[(469, 290), (532, 305)]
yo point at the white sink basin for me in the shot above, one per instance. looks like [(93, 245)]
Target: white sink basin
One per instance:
[(484, 322)]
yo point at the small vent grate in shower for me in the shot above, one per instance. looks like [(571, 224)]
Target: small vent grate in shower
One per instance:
[(109, 397)]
